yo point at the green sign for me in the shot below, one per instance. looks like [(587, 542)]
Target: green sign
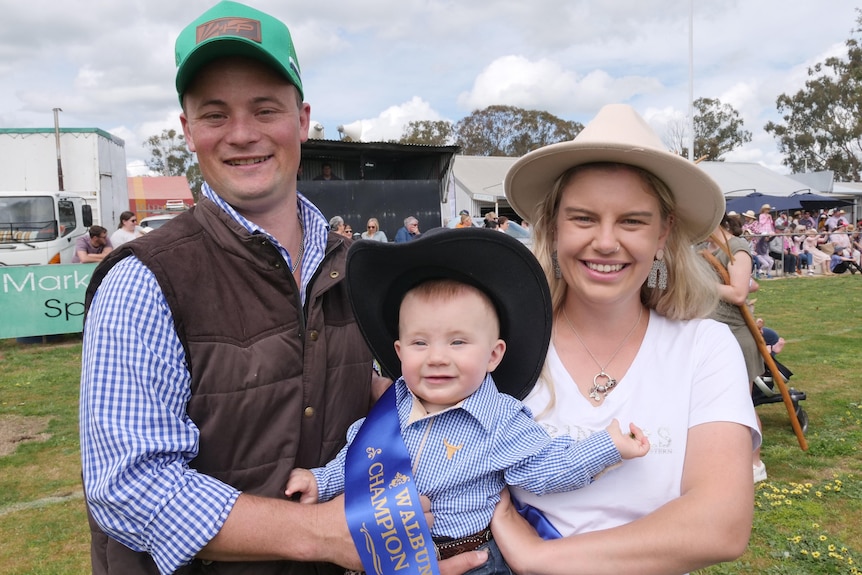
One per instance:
[(43, 300)]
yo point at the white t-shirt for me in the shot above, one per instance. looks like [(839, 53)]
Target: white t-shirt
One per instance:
[(121, 236), (685, 373)]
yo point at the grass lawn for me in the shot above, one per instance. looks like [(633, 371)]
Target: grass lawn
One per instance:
[(808, 517)]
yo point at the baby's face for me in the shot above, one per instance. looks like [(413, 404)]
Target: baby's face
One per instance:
[(448, 343)]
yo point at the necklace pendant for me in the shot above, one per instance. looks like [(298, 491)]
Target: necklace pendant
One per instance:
[(602, 383)]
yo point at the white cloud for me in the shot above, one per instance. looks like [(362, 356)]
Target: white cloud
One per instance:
[(390, 123), (545, 85), (110, 64)]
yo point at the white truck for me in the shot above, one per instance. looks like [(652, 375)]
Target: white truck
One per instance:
[(40, 220)]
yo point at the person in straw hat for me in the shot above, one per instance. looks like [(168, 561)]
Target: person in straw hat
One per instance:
[(765, 220), (614, 219), (750, 223)]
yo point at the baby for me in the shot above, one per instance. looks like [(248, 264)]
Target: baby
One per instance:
[(453, 324)]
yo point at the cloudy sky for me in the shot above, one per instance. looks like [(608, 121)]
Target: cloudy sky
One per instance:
[(378, 64)]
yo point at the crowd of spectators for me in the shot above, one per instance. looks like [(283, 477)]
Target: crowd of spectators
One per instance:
[(801, 242)]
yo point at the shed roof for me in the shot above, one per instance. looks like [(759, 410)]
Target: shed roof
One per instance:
[(159, 188), (482, 174)]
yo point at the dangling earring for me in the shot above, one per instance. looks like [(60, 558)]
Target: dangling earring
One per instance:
[(558, 273), (658, 272)]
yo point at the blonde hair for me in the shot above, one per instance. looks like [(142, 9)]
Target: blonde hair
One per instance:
[(447, 289), (692, 291)]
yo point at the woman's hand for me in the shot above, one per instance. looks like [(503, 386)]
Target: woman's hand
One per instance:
[(518, 541)]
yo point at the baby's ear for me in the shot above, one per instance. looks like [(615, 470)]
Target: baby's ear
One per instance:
[(497, 353)]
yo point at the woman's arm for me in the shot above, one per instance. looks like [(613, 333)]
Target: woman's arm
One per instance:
[(708, 523), (740, 275)]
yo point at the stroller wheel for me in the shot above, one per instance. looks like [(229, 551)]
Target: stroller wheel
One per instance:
[(802, 416)]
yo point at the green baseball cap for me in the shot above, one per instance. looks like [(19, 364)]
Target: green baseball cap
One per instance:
[(234, 29)]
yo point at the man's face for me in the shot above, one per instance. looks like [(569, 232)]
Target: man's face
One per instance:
[(413, 227), (99, 241), (243, 121)]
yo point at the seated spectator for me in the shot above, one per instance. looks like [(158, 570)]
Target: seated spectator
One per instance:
[(750, 223), (807, 221), (820, 259), (348, 231), (855, 243), (840, 239), (409, 232), (466, 221), (805, 258), (373, 231), (840, 264), (785, 251)]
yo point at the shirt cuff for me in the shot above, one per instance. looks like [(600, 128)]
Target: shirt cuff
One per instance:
[(188, 521)]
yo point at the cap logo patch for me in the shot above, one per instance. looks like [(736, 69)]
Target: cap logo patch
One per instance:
[(243, 27)]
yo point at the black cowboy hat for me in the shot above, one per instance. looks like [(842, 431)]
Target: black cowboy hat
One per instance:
[(380, 274)]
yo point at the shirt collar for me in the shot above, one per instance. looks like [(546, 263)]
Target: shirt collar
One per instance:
[(479, 405)]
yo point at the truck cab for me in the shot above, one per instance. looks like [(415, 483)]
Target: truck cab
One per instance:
[(39, 228)]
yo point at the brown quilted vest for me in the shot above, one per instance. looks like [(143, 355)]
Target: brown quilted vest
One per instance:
[(271, 388)]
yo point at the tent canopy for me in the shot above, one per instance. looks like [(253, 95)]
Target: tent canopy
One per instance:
[(806, 201)]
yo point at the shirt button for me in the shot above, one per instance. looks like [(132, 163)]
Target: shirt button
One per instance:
[(308, 412), (313, 335)]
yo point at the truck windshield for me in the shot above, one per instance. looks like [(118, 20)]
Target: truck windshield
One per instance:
[(27, 219)]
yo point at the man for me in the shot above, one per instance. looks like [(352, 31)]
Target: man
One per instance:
[(336, 224), (807, 221), (93, 247), (409, 232), (223, 352), (326, 173)]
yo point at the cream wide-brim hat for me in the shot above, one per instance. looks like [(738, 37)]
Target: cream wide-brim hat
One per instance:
[(618, 134)]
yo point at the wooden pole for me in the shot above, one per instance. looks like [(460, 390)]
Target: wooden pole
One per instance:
[(764, 352)]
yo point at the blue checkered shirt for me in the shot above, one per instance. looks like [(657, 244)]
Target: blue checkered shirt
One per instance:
[(463, 457), (136, 437)]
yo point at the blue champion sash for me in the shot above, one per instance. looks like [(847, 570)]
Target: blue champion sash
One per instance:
[(380, 498), (534, 517)]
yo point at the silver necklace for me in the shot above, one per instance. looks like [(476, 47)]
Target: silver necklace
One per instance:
[(301, 250), (602, 382)]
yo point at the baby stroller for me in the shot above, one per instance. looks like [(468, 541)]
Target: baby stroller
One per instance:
[(765, 391)]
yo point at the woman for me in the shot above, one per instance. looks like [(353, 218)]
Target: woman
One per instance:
[(373, 231), (733, 253), (126, 231), (615, 241), (765, 221), (805, 258), (466, 221), (820, 259)]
